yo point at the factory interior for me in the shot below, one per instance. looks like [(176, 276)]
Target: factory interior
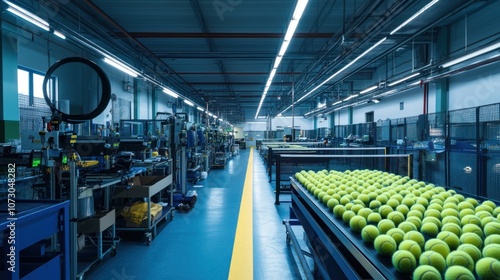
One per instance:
[(250, 139)]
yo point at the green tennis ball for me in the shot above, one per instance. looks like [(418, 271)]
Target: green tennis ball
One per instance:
[(365, 212), (429, 229), (415, 221), (385, 245), (374, 218), (450, 238), (384, 210), (345, 199), (460, 258), (356, 207), (369, 233), (470, 219), (474, 229), (331, 203), (450, 212), (487, 220), (412, 247), (471, 238), (472, 250), (397, 234), (433, 220), (433, 213), (483, 207), (458, 273), (426, 272), (450, 227), (492, 228), (339, 210), (357, 223), (347, 216), (496, 211), (415, 213), (396, 217), (415, 236), (403, 209), (451, 220), (408, 202), (433, 259), (492, 251), (365, 198), (418, 207), (438, 246), (407, 226), (404, 261), (435, 206), (466, 212), (450, 205), (489, 203), (465, 205), (483, 214), (349, 206), (492, 239), (488, 268), (374, 204), (422, 201), (385, 225), (472, 201)]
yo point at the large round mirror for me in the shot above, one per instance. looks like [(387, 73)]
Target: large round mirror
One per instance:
[(76, 89)]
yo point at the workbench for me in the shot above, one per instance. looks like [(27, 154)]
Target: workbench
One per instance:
[(37, 223)]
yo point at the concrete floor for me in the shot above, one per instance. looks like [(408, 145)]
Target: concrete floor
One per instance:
[(199, 244)]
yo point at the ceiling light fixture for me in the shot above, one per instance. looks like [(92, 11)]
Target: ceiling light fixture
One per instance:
[(341, 70), (386, 93), (188, 102), (375, 100), (22, 13), (471, 55), (351, 97), (337, 103), (200, 109), (59, 34), (403, 79), (292, 26), (120, 66), (170, 92), (426, 7), (368, 89)]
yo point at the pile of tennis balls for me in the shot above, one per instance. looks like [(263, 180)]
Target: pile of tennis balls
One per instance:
[(426, 230)]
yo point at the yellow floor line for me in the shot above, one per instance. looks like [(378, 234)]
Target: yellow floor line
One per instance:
[(242, 258)]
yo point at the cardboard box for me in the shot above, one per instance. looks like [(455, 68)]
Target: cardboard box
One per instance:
[(144, 223), (97, 223)]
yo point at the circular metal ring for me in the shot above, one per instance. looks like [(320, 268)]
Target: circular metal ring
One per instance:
[(106, 90)]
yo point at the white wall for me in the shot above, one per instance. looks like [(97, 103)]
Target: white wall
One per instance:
[(475, 88)]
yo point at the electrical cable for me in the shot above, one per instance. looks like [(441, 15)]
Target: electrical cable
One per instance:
[(106, 91)]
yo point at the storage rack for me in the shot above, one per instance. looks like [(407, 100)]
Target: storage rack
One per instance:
[(155, 185), (36, 221)]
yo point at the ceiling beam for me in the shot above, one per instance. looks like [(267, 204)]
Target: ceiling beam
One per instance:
[(227, 35)]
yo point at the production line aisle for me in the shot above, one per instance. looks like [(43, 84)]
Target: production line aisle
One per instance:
[(199, 244)]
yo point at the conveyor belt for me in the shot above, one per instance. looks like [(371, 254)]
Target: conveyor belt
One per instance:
[(342, 250)]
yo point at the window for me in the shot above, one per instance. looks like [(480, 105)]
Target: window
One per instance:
[(30, 83), (23, 84)]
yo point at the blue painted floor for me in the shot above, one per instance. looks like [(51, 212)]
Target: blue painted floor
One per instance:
[(199, 244)]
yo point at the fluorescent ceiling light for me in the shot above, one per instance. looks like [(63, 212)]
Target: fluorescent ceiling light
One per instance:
[(59, 34), (215, 117), (292, 26), (471, 55), (30, 17), (200, 109), (120, 66), (387, 93), (337, 103), (414, 16), (343, 68), (188, 102), (368, 89), (376, 100), (170, 92), (351, 97), (403, 79)]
